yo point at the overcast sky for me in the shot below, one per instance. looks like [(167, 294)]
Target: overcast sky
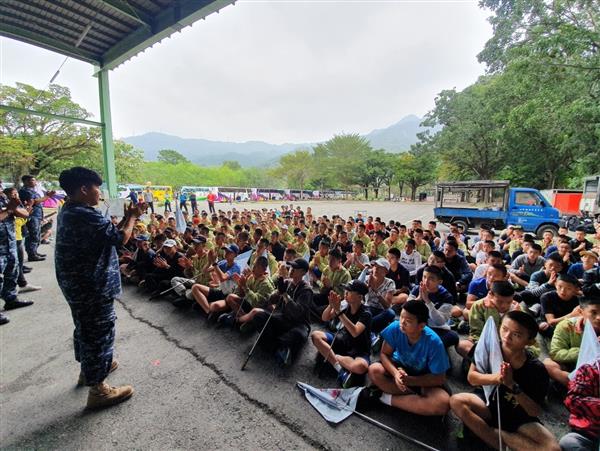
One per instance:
[(280, 71)]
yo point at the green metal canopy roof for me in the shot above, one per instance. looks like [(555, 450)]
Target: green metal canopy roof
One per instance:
[(102, 32)]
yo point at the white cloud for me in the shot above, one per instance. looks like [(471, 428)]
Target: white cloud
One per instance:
[(281, 71)]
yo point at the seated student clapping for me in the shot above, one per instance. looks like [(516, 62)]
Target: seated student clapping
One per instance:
[(522, 385), (348, 351), (412, 371)]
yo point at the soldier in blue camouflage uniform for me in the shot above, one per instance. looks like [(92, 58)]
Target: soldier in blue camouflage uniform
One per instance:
[(29, 195), (9, 208), (87, 270)]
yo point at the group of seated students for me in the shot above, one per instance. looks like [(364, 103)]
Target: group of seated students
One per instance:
[(389, 302)]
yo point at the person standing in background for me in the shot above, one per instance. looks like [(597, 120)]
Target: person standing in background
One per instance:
[(30, 196), (149, 199)]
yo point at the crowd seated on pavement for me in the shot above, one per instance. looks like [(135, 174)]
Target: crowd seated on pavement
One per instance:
[(386, 304)]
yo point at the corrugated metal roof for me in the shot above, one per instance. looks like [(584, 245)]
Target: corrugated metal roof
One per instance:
[(102, 32)]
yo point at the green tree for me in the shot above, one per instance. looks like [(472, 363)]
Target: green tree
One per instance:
[(49, 141), (233, 165), (295, 168), (171, 156), (416, 168), (16, 158)]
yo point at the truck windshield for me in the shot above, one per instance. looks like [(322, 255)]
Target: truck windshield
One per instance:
[(476, 197), (527, 199)]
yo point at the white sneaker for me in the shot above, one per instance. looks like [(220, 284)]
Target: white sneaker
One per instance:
[(27, 288)]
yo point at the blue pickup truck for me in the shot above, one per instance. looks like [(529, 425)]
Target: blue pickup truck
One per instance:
[(492, 202)]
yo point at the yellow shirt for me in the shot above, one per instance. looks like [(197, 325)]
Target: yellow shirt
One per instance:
[(19, 223)]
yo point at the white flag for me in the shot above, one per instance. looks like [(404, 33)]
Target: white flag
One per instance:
[(179, 219), (242, 260), (362, 277), (334, 404), (589, 351), (488, 354)]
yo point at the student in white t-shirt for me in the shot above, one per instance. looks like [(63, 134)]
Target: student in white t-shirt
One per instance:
[(410, 258)]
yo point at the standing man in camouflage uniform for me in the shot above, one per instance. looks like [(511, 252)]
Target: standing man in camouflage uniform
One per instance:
[(9, 209), (87, 270), (29, 195)]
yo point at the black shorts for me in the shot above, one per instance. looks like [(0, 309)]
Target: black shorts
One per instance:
[(511, 421), (214, 294)]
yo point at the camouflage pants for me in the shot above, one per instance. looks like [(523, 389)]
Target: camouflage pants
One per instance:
[(93, 337), (8, 271)]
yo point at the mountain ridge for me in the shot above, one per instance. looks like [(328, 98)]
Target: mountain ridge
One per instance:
[(397, 137)]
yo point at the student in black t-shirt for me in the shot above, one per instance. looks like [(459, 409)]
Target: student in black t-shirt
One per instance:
[(348, 351), (522, 385), (398, 273), (559, 304)]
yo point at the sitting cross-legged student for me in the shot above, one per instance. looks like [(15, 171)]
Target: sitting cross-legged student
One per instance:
[(379, 297), (559, 304), (221, 283), (253, 290), (439, 302), (166, 266), (348, 351), (566, 341), (479, 288), (583, 402), (195, 270), (522, 384), (412, 372), (289, 326), (542, 281), (333, 278), (523, 267), (498, 301), (321, 259), (141, 261)]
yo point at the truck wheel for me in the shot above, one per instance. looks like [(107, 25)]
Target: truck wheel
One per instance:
[(545, 228), (462, 223)]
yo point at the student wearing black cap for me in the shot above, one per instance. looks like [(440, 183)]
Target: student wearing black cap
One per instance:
[(348, 351), (289, 326)]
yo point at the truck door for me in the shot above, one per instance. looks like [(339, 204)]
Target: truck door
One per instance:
[(528, 208)]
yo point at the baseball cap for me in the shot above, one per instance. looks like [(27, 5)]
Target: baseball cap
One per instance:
[(231, 248), (142, 238), (356, 286), (302, 234), (590, 254), (299, 263), (170, 243), (382, 262), (199, 240)]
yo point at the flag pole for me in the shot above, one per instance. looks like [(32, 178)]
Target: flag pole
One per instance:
[(367, 418), (499, 419), (258, 339)]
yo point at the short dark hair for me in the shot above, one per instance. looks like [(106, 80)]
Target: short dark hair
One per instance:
[(589, 300), (394, 251), (580, 229), (411, 242), (452, 243), (500, 268), (555, 257), (359, 243), (335, 253), (262, 261), (26, 178), (502, 288), (495, 254), (72, 179), (440, 255), (569, 279), (525, 320), (418, 309), (536, 247), (437, 272)]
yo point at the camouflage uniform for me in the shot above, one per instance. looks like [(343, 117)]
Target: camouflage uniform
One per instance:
[(34, 224), (87, 271), (8, 256)]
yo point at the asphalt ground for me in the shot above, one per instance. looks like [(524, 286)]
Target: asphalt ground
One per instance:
[(190, 392)]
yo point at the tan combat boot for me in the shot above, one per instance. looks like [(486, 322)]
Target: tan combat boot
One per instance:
[(103, 395), (81, 381)]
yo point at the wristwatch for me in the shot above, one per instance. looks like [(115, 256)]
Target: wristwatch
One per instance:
[(516, 389)]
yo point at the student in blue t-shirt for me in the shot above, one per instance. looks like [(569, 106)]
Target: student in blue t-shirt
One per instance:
[(412, 370)]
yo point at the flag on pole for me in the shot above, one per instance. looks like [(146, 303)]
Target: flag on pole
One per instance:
[(589, 351), (306, 277), (488, 354), (179, 219), (334, 404)]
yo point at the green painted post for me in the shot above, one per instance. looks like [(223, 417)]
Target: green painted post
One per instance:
[(108, 149)]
